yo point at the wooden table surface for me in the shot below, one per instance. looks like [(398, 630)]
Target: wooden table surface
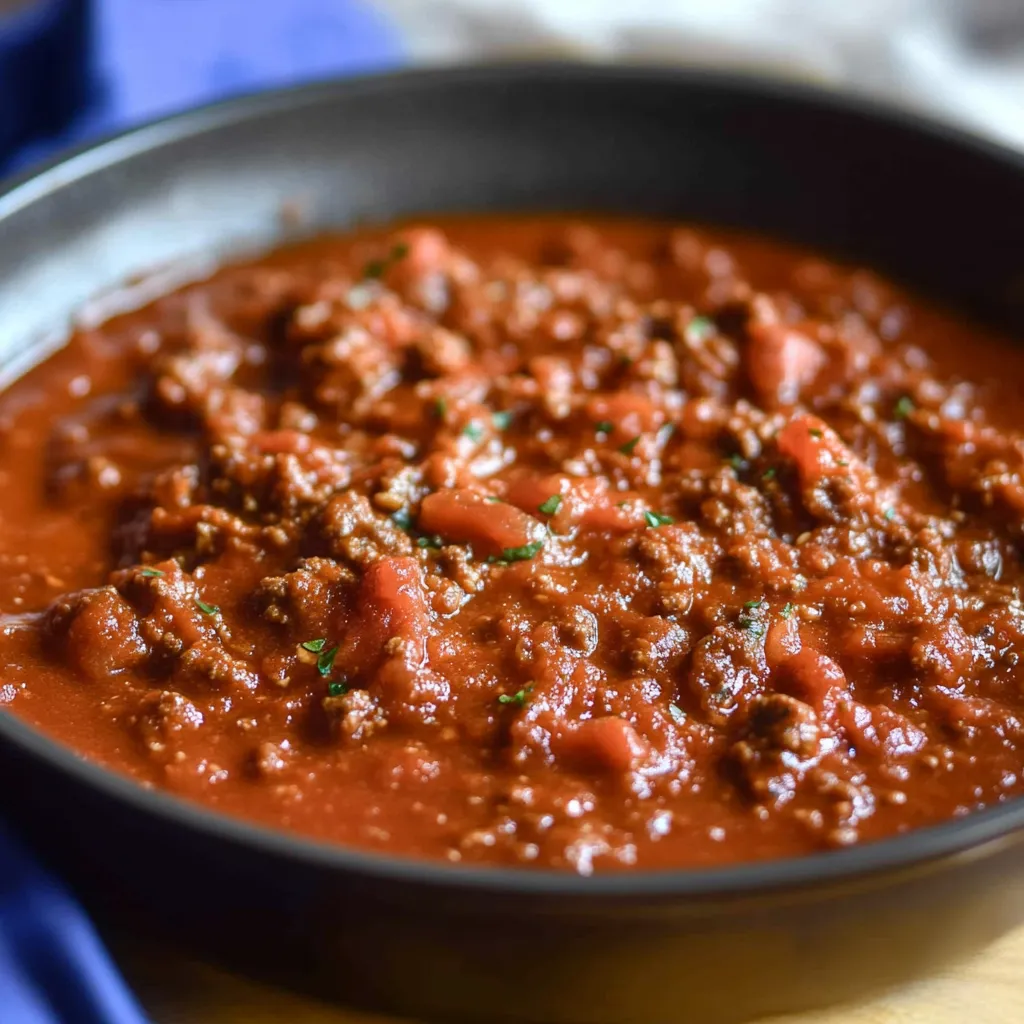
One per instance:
[(989, 989)]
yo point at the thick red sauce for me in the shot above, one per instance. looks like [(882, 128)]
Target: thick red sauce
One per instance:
[(528, 542)]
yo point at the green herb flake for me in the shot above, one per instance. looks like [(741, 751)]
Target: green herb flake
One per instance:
[(890, 514), (814, 432), (699, 329), (493, 499), (207, 609), (501, 420), (378, 268), (337, 689), (769, 474), (152, 572), (430, 541), (737, 462), (325, 663), (440, 407), (787, 610), (604, 427), (473, 431), (551, 506), (521, 554), (518, 698), (677, 713), (750, 620), (656, 519), (753, 626), (627, 448), (314, 646), (903, 408), (402, 519)]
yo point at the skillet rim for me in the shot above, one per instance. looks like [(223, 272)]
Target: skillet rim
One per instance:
[(956, 838)]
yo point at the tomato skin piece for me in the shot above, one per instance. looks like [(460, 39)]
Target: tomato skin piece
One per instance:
[(465, 516), (607, 744), (392, 603), (586, 501), (816, 448), (781, 361)]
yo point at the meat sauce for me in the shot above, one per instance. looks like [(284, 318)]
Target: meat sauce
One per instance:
[(579, 544)]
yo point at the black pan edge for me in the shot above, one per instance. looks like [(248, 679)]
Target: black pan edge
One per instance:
[(961, 839)]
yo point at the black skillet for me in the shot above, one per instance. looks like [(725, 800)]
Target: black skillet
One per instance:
[(936, 209)]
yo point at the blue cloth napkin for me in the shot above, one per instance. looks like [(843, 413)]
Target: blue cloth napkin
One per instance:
[(153, 57), (53, 967)]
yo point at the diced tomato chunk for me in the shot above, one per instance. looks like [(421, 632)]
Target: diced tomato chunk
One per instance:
[(466, 516), (780, 361), (782, 641), (584, 501), (629, 413), (816, 448), (392, 603), (608, 744)]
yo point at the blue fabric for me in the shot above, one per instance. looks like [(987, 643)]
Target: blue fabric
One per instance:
[(153, 57), (53, 967)]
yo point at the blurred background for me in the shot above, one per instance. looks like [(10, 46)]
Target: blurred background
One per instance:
[(72, 69)]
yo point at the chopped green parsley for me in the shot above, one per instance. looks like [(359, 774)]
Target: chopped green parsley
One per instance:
[(402, 519), (656, 519), (325, 663), (551, 506), (501, 420), (152, 572), (751, 623), (378, 268), (521, 554), (903, 408), (206, 609), (699, 329), (627, 448), (518, 698), (314, 646)]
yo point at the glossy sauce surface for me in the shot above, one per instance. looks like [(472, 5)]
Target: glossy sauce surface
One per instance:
[(586, 544)]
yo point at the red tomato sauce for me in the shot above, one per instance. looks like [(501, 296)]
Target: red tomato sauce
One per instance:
[(580, 544)]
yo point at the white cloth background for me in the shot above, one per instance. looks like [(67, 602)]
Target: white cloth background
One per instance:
[(962, 60)]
